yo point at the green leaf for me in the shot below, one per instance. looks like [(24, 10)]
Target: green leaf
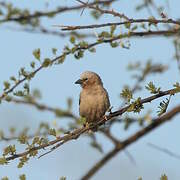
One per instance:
[(22, 177), (136, 106), (54, 50), (164, 177), (26, 87), (3, 161), (8, 98), (97, 146), (81, 121), (128, 25), (126, 94), (61, 59), (23, 139), (19, 93), (93, 50), (6, 85), (32, 64), (22, 160), (62, 178), (5, 178), (37, 53), (52, 132), (59, 112), (72, 39), (114, 44), (46, 62), (163, 106), (79, 54), (12, 78), (152, 88), (177, 88), (11, 149)]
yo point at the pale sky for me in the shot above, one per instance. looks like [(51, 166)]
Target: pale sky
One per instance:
[(57, 83)]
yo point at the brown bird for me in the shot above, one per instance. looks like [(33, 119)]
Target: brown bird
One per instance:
[(94, 99)]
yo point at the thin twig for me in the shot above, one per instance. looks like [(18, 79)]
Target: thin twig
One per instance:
[(164, 150), (102, 11), (53, 12), (130, 21)]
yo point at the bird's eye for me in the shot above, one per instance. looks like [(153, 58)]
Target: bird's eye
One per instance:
[(85, 79)]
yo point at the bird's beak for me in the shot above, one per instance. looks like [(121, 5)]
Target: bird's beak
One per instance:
[(79, 81)]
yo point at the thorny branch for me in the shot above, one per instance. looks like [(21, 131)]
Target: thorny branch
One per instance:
[(60, 140), (50, 13), (102, 11), (129, 21), (109, 40)]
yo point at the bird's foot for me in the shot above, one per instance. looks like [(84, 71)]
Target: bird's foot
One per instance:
[(110, 110), (87, 125), (105, 118)]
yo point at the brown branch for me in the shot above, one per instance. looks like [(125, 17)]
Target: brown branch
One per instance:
[(12, 138), (77, 132), (155, 123), (130, 21), (102, 11), (43, 30), (54, 12), (43, 107), (121, 36)]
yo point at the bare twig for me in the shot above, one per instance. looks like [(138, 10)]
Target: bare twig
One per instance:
[(164, 150), (43, 30), (102, 11), (129, 21), (53, 12)]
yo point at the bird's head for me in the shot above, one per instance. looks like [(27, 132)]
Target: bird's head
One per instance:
[(89, 79)]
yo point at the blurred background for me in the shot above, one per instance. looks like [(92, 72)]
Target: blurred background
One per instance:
[(56, 84)]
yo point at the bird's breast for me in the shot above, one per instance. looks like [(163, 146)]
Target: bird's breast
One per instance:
[(93, 106)]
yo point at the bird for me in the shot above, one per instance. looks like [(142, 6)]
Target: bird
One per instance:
[(94, 99)]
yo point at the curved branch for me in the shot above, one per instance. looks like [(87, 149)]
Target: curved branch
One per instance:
[(121, 36), (77, 132), (54, 12), (156, 123)]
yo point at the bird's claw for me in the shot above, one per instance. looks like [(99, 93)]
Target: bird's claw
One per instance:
[(110, 110), (105, 118)]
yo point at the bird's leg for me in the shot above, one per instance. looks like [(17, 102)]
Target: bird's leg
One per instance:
[(110, 110), (105, 118), (86, 124)]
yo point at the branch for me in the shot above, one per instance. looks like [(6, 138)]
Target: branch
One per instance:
[(102, 11), (129, 21), (155, 123), (77, 132), (50, 13), (89, 46), (43, 107), (164, 150), (43, 30)]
